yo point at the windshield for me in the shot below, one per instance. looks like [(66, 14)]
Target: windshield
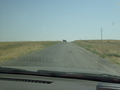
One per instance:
[(61, 35)]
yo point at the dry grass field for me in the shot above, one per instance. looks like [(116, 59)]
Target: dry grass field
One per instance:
[(10, 50), (108, 49)]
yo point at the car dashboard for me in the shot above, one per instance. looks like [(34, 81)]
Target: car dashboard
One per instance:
[(29, 82)]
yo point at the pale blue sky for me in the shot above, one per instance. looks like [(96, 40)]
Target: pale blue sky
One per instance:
[(41, 20)]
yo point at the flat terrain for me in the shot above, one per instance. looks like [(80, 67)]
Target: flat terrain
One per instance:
[(10, 50), (108, 49), (63, 55)]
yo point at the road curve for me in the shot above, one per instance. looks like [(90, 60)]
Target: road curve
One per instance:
[(64, 55)]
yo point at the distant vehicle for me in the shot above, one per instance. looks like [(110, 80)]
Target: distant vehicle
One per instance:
[(64, 40)]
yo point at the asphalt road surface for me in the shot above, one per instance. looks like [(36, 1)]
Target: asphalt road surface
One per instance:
[(64, 55)]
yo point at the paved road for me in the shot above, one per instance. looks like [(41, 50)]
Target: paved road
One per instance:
[(65, 55)]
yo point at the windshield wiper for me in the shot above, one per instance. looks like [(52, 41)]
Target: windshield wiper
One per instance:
[(15, 71), (59, 74), (85, 76)]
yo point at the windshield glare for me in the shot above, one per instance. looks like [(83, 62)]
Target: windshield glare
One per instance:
[(61, 35)]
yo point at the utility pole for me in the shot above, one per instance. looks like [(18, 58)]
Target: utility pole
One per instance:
[(101, 33)]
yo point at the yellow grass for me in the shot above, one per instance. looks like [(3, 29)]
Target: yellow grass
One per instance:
[(10, 50), (108, 49)]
